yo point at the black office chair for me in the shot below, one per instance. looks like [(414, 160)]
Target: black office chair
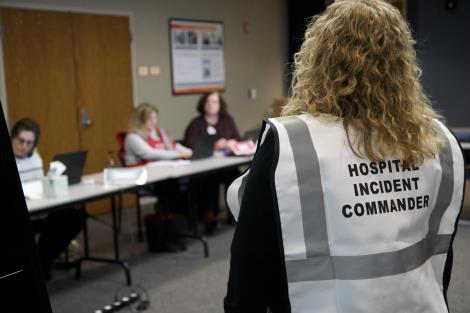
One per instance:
[(252, 134), (463, 136)]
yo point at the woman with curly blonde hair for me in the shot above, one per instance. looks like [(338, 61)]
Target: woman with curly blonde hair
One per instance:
[(351, 202)]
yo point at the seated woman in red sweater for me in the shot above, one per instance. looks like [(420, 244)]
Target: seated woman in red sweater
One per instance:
[(146, 142), (213, 119)]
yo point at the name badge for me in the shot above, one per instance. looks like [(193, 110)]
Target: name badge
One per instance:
[(211, 130)]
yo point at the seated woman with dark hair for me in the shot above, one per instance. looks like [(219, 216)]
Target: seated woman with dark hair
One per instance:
[(58, 228), (213, 120)]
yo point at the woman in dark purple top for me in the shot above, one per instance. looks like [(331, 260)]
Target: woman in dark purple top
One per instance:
[(213, 119)]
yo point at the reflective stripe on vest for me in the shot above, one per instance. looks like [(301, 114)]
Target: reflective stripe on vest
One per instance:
[(320, 277)]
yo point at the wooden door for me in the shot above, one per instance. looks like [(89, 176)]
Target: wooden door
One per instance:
[(104, 82), (59, 65), (40, 76)]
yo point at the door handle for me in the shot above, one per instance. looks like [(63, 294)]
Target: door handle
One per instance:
[(84, 120)]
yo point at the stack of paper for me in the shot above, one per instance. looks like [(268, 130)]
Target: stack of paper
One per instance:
[(169, 163)]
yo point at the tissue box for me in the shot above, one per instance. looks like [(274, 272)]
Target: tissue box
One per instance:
[(56, 186)]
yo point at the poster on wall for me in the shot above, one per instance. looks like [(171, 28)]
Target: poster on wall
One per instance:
[(197, 56)]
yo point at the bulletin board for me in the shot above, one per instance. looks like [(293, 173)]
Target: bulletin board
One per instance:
[(197, 56)]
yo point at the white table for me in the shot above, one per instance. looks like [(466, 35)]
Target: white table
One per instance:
[(86, 192), (92, 188)]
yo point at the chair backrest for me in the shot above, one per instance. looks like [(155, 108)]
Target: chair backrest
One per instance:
[(252, 134), (121, 137)]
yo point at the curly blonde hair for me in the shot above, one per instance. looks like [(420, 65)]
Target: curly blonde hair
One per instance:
[(357, 63)]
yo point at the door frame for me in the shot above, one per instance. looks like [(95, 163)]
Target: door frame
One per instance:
[(65, 9)]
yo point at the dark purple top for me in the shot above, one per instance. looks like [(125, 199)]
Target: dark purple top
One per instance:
[(225, 128)]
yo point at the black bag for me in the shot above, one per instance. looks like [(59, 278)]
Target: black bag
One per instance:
[(165, 232)]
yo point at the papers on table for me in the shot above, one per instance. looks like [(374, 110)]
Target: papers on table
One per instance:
[(56, 168), (243, 148), (125, 176), (169, 163), (33, 189)]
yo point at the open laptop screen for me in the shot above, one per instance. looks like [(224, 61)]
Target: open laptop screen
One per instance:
[(75, 163)]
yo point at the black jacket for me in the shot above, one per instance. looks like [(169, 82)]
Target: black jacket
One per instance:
[(257, 274)]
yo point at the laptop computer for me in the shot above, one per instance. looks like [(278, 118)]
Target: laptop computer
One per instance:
[(204, 147), (75, 163)]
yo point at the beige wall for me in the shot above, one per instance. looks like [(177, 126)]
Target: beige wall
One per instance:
[(254, 60)]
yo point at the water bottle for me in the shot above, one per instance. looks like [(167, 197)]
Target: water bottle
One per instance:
[(111, 161)]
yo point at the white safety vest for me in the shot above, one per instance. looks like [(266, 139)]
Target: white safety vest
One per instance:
[(360, 236)]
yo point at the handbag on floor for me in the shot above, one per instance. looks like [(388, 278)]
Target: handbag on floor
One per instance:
[(165, 232)]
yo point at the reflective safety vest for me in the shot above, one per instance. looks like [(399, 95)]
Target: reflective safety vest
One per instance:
[(360, 236)]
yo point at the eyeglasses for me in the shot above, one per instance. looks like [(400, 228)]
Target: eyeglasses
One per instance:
[(22, 141)]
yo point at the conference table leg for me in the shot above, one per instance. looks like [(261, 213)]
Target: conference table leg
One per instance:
[(116, 259), (139, 217), (115, 226), (119, 211), (193, 216)]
